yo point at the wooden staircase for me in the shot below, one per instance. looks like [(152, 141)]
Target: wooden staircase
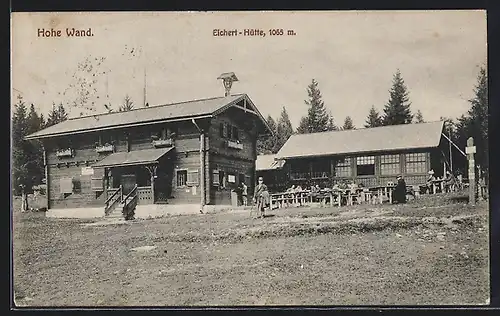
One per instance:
[(116, 212), (119, 206)]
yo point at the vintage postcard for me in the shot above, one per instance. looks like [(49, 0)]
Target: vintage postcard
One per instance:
[(250, 158)]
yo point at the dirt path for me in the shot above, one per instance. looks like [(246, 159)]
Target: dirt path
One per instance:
[(416, 254)]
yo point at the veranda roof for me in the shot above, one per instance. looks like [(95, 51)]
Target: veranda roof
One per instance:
[(133, 158), (268, 162)]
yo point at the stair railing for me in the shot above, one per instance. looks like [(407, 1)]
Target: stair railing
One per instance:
[(129, 203), (113, 199)]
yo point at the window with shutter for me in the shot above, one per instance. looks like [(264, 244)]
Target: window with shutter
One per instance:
[(181, 177), (192, 177), (228, 131), (66, 185), (221, 129), (215, 177), (97, 184), (236, 135), (222, 179)]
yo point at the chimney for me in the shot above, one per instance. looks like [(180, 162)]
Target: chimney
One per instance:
[(227, 81)]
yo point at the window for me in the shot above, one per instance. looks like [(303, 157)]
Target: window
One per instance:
[(222, 179), (416, 163), (389, 165), (77, 186), (181, 178), (222, 129), (343, 168), (236, 135), (321, 168), (299, 170), (229, 131), (365, 166), (226, 130), (192, 177), (215, 177)]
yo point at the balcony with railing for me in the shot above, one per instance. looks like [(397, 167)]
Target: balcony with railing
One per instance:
[(106, 148), (234, 144), (65, 152), (167, 142)]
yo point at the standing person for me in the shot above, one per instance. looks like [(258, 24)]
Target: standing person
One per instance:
[(399, 195), (448, 182), (430, 181), (24, 198), (261, 196), (244, 193)]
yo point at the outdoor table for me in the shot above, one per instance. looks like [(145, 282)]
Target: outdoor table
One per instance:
[(383, 190)]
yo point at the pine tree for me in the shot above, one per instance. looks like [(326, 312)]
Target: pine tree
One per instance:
[(33, 120), (266, 144), (317, 119), (33, 149), (475, 122), (348, 124), (56, 115), (419, 118), (397, 110), (374, 119), (42, 121), (127, 105), (284, 130), (19, 131)]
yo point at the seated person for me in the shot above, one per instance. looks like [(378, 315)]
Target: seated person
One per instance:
[(353, 186), (342, 185), (314, 193)]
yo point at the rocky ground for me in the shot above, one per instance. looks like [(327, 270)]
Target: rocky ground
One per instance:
[(430, 251)]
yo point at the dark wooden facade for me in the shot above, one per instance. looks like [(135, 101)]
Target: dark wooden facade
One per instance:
[(209, 158), (368, 169)]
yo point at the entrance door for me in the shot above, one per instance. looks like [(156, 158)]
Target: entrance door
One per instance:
[(128, 182)]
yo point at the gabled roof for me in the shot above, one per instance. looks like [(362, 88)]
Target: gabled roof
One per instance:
[(148, 115), (268, 162), (376, 139)]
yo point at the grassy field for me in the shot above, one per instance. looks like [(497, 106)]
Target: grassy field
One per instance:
[(430, 251)]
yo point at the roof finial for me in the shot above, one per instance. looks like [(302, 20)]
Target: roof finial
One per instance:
[(227, 80)]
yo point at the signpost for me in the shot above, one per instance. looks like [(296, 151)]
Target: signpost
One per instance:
[(470, 150)]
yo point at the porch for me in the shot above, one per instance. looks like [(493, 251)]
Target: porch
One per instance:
[(145, 174)]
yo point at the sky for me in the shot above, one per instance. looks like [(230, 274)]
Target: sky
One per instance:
[(352, 54)]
